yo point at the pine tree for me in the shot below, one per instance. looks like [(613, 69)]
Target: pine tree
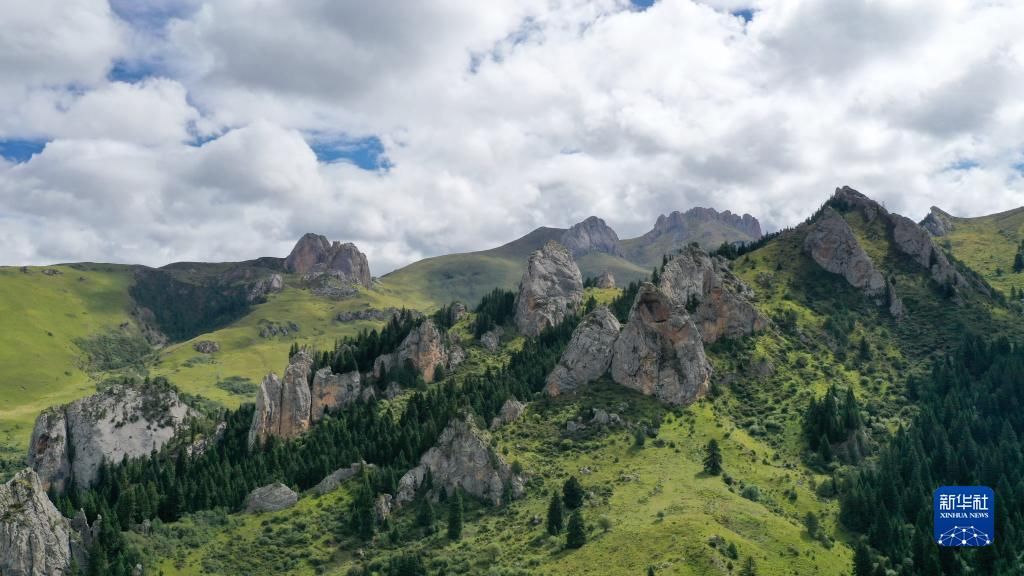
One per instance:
[(862, 561), (572, 493), (812, 524), (824, 449), (576, 533), (650, 571), (555, 521), (713, 458), (455, 517), (425, 514), (749, 567)]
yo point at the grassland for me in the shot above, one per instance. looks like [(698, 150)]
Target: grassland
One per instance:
[(988, 244)]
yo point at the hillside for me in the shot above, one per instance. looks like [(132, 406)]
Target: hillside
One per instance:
[(987, 244)]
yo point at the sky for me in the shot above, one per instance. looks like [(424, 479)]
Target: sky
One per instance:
[(167, 130)]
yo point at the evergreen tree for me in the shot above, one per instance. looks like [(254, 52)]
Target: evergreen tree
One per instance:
[(862, 565), (713, 458), (572, 493), (576, 533), (455, 517), (824, 449), (425, 514), (812, 524), (749, 567), (555, 522), (650, 571)]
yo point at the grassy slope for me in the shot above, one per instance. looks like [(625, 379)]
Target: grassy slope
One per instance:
[(988, 244), (40, 318)]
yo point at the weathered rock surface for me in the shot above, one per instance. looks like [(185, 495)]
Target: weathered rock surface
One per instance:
[(424, 347), (659, 352), (686, 226), (334, 479), (591, 235), (367, 314), (35, 540), (937, 222), (832, 244), (314, 255), (261, 288), (284, 407), (719, 303), (271, 498), (333, 391), (491, 339), (206, 347), (463, 458), (511, 410), (123, 420), (588, 354), (270, 329), (550, 290), (606, 280), (383, 506)]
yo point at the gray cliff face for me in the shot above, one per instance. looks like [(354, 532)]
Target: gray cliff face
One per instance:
[(511, 410), (937, 222), (680, 224), (284, 407), (463, 458), (35, 540), (606, 280), (425, 347), (591, 235), (333, 480), (588, 354), (659, 352), (719, 302), (832, 244), (120, 421), (314, 255), (550, 290), (333, 391), (261, 288), (271, 498)]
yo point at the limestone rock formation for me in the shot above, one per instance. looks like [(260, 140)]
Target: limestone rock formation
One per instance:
[(588, 354), (123, 420), (424, 347), (832, 244), (367, 314), (685, 226), (937, 222), (314, 255), (915, 241), (206, 347), (606, 280), (332, 391), (491, 339), (659, 352), (550, 290), (284, 407), (511, 410), (463, 458), (259, 290), (334, 479), (591, 235), (270, 498), (35, 540)]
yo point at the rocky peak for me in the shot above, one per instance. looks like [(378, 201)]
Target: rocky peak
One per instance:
[(463, 458), (832, 244), (606, 280), (550, 290), (937, 222), (591, 235), (123, 420), (284, 407), (35, 540), (425, 348), (588, 354), (718, 301), (679, 223), (659, 352), (314, 255)]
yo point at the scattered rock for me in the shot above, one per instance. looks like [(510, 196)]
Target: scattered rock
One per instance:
[(367, 314), (511, 410), (270, 329), (283, 408), (573, 426), (51, 272), (463, 459), (660, 352), (591, 235), (550, 290), (206, 347), (606, 280), (588, 354), (334, 480), (314, 255), (271, 498), (123, 420), (35, 540)]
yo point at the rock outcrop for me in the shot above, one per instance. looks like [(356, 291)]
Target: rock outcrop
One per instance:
[(123, 420), (491, 339), (831, 243), (35, 540), (591, 235), (314, 255), (425, 348), (685, 226), (334, 479), (659, 352), (206, 347), (606, 280), (463, 458), (271, 498), (333, 391), (367, 314), (588, 354), (550, 290), (511, 410), (915, 242), (719, 303), (937, 222), (259, 290), (284, 407)]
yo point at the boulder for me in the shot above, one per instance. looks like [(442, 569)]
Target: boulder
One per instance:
[(491, 339), (124, 420), (511, 410), (832, 245), (270, 498), (382, 507), (284, 407), (550, 290), (334, 479), (456, 312), (333, 391), (591, 235), (392, 391), (606, 280), (367, 314), (463, 458), (206, 347), (314, 255), (35, 540), (588, 354), (424, 348), (659, 352), (719, 303)]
